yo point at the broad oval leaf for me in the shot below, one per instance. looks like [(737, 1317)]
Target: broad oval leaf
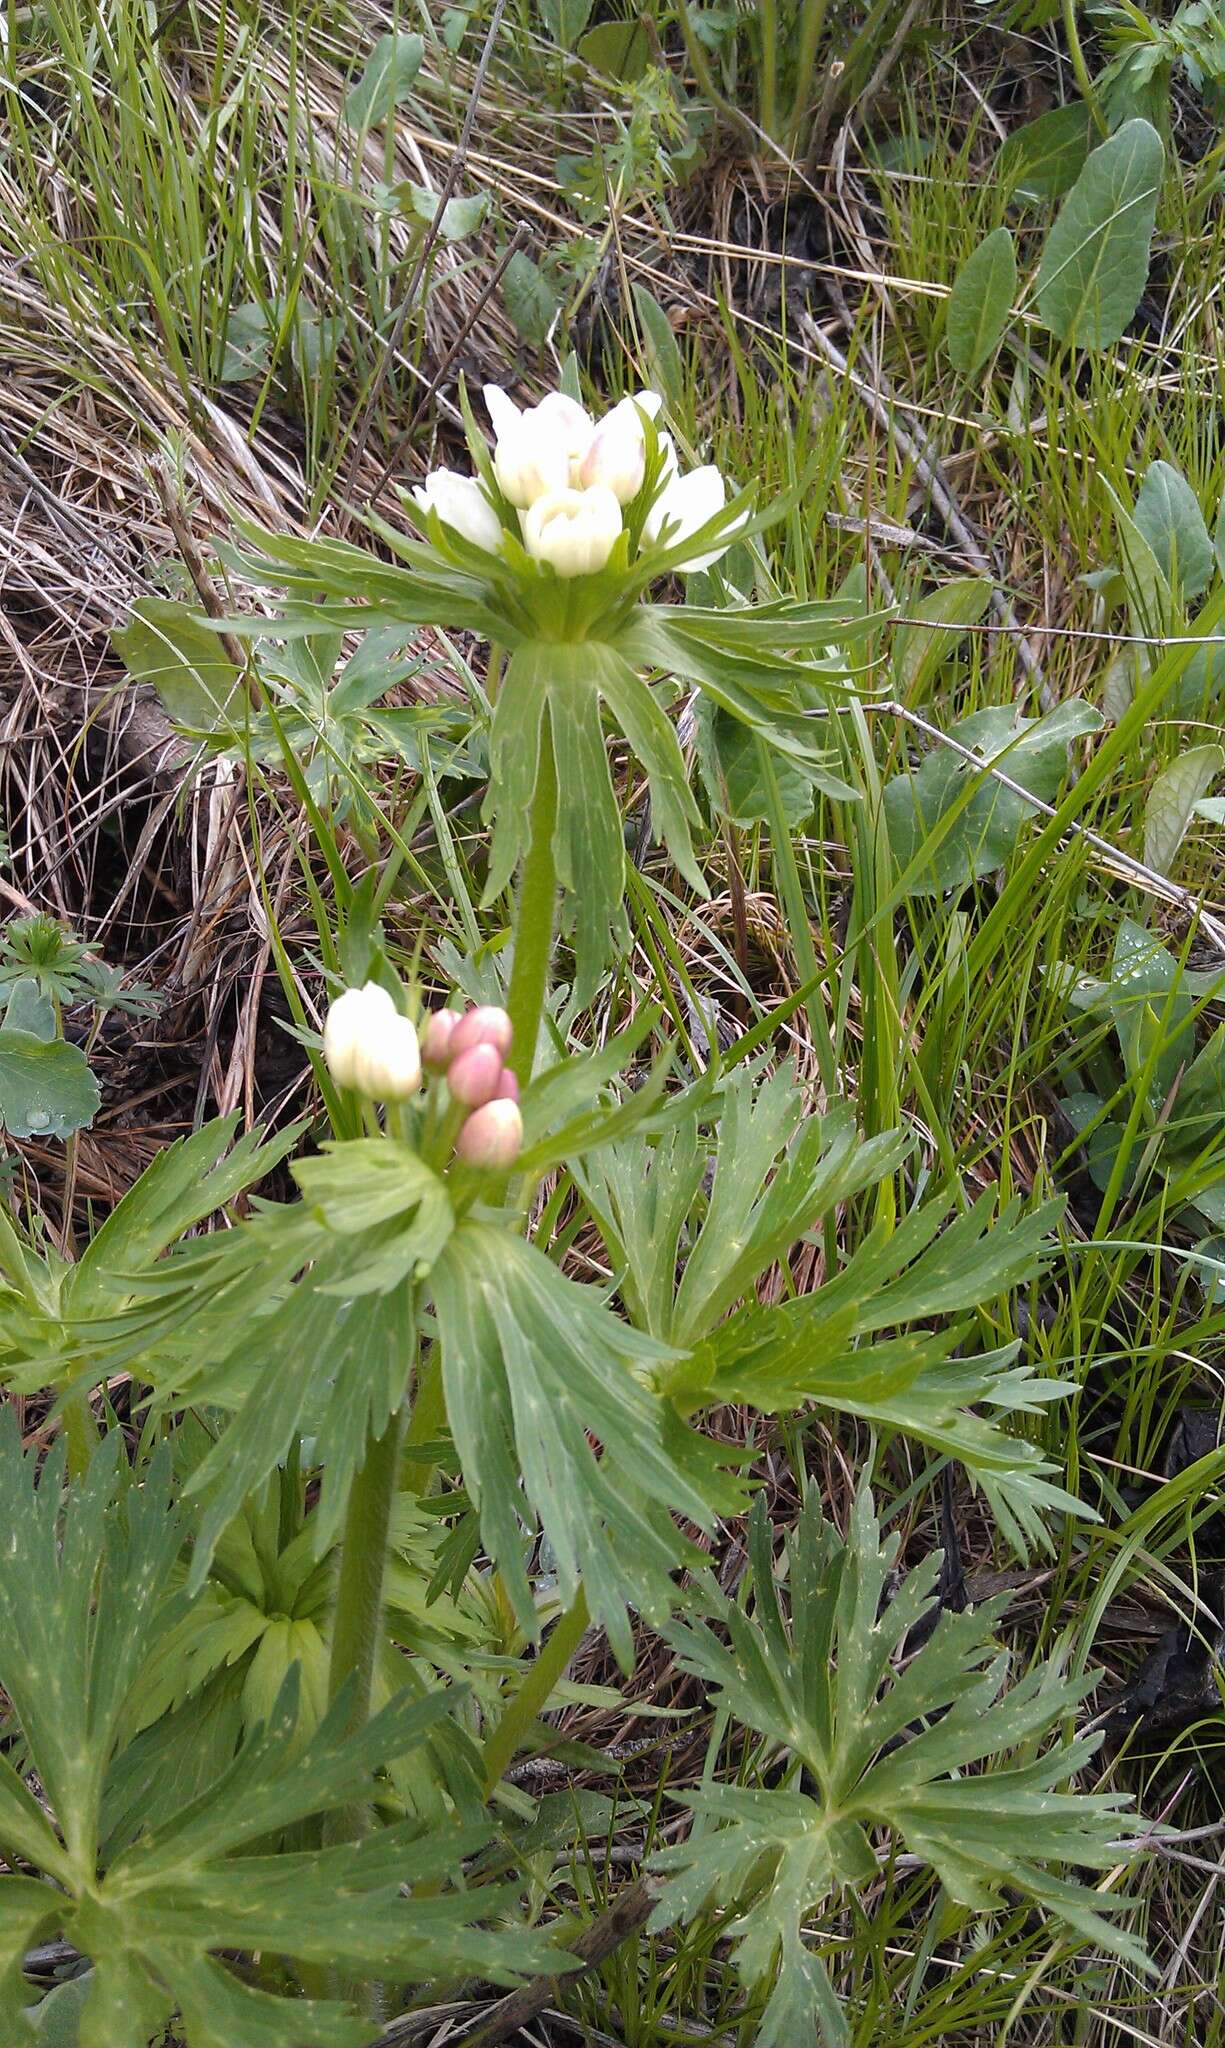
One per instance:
[(1173, 799), (168, 644), (664, 357), (1044, 159), (1168, 515), (46, 1088), (932, 631), (529, 298), (390, 69), (1095, 262), (981, 301)]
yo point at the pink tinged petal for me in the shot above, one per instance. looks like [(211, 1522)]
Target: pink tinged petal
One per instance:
[(508, 1087), (492, 1137), (473, 1076), (486, 1025), (440, 1029)]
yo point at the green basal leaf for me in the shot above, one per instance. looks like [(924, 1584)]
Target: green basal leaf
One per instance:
[(948, 823), (1168, 515), (1095, 263), (167, 644), (46, 1088), (84, 1606), (980, 302), (884, 1744)]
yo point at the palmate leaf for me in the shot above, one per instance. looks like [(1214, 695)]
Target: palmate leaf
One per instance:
[(846, 1346), (61, 1313), (335, 1357), (777, 1170), (83, 1608), (827, 1348), (534, 1365), (884, 1744)]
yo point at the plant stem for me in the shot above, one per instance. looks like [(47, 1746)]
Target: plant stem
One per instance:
[(767, 91), (812, 23), (535, 916), (363, 1567), (519, 1713), (1080, 70)]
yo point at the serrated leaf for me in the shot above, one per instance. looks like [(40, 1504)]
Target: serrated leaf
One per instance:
[(386, 80), (1168, 515), (980, 302), (1095, 263), (46, 1087), (886, 1744), (1044, 158), (534, 1365), (529, 298), (82, 1605), (1172, 802), (167, 644)]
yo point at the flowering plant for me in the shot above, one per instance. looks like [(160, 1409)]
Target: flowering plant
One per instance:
[(549, 550), (272, 1683)]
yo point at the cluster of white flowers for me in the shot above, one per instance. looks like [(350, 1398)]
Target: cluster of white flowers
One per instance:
[(570, 477), (370, 1047)]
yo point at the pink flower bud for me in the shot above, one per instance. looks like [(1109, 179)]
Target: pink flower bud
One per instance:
[(473, 1076), (492, 1137), (508, 1087), (436, 1044), (485, 1025)]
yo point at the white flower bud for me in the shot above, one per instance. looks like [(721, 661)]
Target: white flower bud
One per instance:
[(389, 1063), (617, 458), (531, 458), (369, 1046), (350, 1021), (461, 503), (503, 412), (684, 505), (617, 455), (574, 530), (492, 1137), (566, 418)]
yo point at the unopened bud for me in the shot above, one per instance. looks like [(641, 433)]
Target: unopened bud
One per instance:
[(472, 1078), (508, 1087), (492, 1137), (436, 1042), (486, 1025), (369, 1046)]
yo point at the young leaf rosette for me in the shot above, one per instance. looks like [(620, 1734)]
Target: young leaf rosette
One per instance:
[(550, 550)]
